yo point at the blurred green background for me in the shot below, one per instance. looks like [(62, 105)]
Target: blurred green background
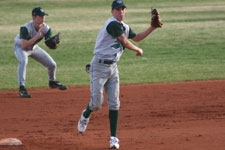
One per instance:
[(190, 46)]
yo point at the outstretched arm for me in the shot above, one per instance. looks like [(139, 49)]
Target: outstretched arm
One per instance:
[(142, 35)]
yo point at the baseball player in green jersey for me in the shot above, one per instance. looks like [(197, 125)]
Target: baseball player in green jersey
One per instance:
[(110, 44), (26, 45)]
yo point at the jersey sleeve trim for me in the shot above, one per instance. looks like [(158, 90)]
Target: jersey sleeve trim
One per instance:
[(24, 33), (132, 34), (115, 29), (48, 34)]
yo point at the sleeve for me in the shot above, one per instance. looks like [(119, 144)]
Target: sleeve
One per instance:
[(132, 34), (24, 33), (115, 29), (48, 34)]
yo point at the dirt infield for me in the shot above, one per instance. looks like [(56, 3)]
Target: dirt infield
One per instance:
[(167, 116)]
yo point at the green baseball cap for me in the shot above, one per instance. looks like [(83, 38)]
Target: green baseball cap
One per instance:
[(38, 11), (117, 4)]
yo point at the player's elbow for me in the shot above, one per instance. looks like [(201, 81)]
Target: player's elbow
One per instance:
[(24, 45), (136, 39)]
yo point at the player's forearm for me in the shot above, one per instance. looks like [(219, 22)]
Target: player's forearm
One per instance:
[(142, 35), (130, 46), (127, 44), (28, 43)]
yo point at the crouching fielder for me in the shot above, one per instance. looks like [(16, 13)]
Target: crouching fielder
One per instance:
[(26, 46)]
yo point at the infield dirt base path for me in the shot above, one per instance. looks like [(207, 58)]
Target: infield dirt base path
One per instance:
[(165, 116)]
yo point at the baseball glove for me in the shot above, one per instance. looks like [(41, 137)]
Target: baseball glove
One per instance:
[(53, 41), (155, 20)]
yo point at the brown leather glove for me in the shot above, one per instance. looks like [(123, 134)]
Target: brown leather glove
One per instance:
[(53, 41), (155, 20)]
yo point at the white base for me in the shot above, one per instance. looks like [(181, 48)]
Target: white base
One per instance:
[(10, 142)]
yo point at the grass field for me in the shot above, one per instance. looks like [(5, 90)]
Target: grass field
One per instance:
[(190, 46)]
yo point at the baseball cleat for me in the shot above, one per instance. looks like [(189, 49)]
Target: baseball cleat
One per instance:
[(23, 92), (62, 87), (82, 123), (57, 84), (114, 143)]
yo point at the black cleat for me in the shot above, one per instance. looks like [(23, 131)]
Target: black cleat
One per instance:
[(57, 84), (23, 92)]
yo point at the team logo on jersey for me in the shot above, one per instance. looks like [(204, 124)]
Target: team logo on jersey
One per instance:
[(116, 45)]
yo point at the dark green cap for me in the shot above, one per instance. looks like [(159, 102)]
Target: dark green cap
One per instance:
[(117, 4), (38, 11)]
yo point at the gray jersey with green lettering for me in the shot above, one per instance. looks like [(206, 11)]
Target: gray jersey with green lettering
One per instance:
[(104, 72), (107, 46)]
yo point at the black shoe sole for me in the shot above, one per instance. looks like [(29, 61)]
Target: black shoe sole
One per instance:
[(113, 148), (25, 96), (62, 87)]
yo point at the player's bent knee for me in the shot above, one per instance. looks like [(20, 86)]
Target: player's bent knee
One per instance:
[(52, 66), (95, 107)]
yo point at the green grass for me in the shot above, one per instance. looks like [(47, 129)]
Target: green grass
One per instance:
[(190, 46)]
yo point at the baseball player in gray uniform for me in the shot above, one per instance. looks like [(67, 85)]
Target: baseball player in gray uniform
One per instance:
[(110, 44), (26, 45)]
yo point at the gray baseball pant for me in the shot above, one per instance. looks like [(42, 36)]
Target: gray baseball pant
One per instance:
[(104, 76), (39, 55)]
